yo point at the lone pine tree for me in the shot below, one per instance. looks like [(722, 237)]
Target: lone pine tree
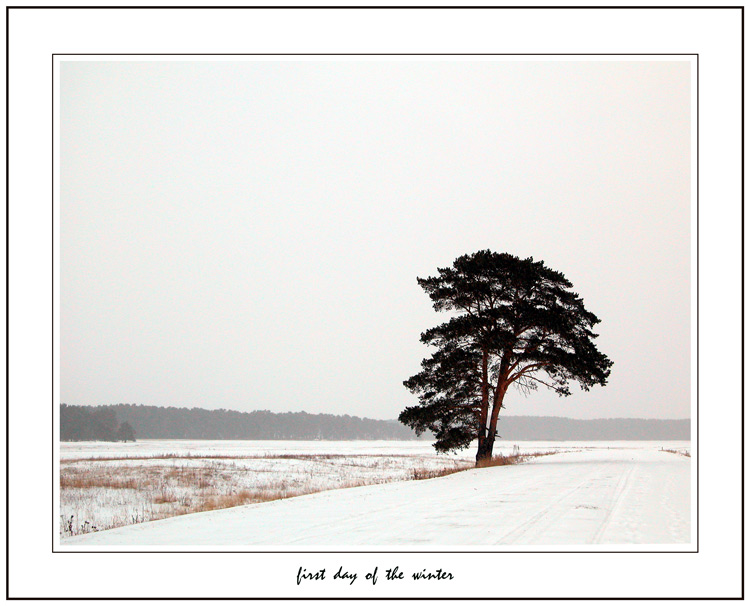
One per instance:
[(514, 322)]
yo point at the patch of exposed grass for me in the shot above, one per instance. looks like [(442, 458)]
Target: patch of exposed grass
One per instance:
[(513, 459), (423, 473), (496, 461), (243, 497), (77, 479), (107, 492)]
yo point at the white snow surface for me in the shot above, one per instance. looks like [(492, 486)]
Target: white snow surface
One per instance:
[(624, 493)]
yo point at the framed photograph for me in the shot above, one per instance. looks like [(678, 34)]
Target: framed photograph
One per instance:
[(375, 302)]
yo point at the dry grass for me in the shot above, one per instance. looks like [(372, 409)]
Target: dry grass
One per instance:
[(422, 473), (107, 492), (496, 461), (514, 459), (243, 497), (77, 479), (250, 497)]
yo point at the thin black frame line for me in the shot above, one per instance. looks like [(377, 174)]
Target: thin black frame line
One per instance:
[(7, 304), (697, 303), (378, 54), (375, 552), (7, 245), (52, 222), (7, 285), (742, 290), (385, 552), (357, 599), (371, 7)]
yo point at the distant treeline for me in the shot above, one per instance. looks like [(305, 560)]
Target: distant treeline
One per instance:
[(93, 423), (155, 422)]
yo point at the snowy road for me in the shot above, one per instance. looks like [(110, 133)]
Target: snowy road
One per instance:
[(606, 496)]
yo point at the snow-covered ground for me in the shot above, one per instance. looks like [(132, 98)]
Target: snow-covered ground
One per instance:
[(106, 485), (242, 448), (586, 493)]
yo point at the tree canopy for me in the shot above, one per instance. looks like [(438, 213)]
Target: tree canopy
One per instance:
[(93, 423), (513, 322)]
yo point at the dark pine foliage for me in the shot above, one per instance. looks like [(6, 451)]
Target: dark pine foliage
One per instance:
[(93, 423), (165, 422), (514, 322), (125, 433)]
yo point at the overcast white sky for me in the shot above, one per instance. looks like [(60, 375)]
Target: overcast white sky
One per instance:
[(247, 235)]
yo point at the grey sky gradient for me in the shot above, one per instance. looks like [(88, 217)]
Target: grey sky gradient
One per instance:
[(247, 235)]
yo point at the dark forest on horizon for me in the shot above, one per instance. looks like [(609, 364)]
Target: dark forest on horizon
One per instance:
[(125, 422)]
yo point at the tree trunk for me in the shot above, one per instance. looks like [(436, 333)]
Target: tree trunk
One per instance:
[(484, 452), (482, 425)]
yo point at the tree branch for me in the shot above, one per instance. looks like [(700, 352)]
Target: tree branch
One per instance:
[(538, 380), (524, 371)]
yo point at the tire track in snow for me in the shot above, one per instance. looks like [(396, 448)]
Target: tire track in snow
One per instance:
[(565, 510), (548, 514), (615, 499)]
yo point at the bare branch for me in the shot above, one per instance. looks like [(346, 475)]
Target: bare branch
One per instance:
[(538, 380)]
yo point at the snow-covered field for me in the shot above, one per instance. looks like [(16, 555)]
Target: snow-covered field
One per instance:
[(240, 448), (589, 492), (107, 485)]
